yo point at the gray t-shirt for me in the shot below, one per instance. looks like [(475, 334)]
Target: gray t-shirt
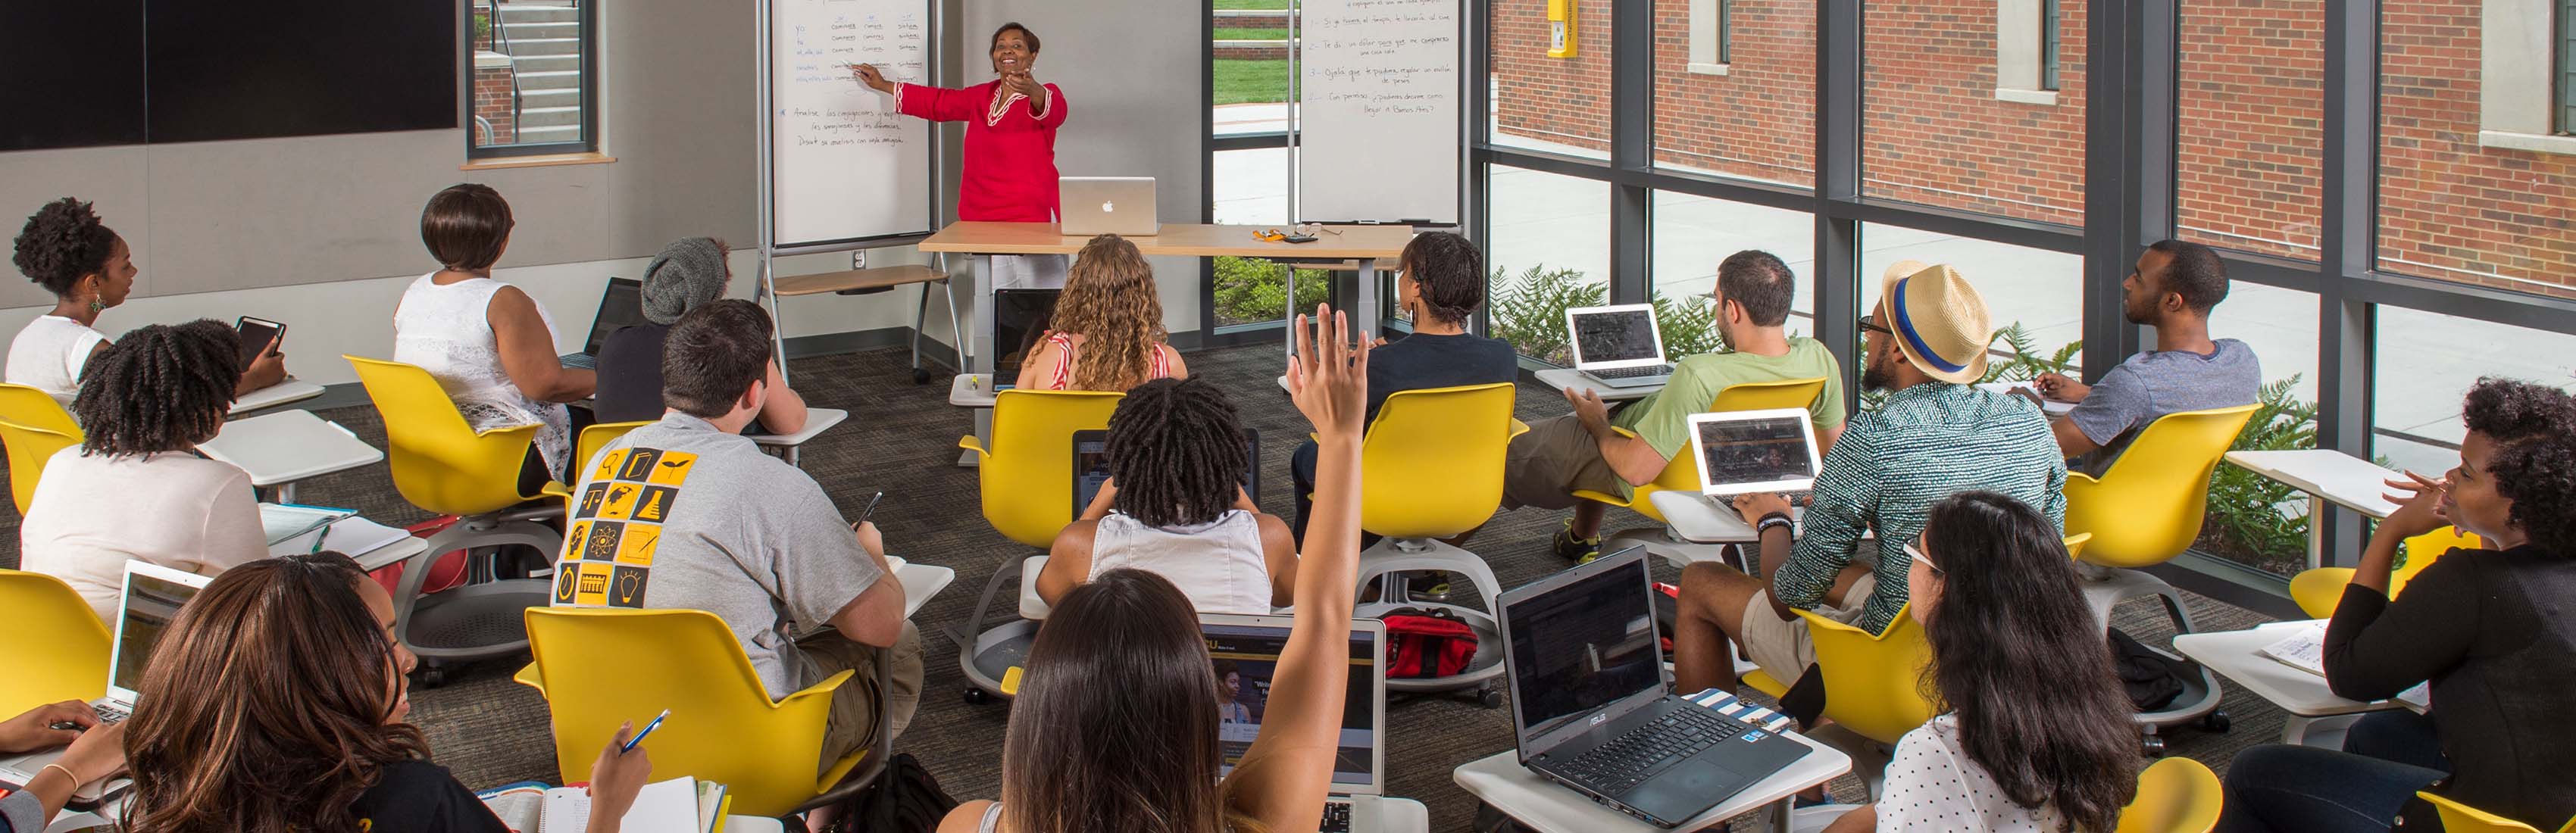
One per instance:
[(2158, 382), (677, 515)]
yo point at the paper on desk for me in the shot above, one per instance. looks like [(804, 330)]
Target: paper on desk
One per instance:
[(350, 535), (2304, 648), (282, 522)]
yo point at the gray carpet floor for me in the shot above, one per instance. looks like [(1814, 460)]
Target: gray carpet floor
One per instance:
[(902, 439)]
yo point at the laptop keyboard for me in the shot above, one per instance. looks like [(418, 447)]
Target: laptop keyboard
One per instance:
[(109, 712), (1337, 817), (1631, 758), (1632, 372)]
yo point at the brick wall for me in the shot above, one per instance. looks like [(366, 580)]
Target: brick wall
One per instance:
[(492, 103), (2249, 134)]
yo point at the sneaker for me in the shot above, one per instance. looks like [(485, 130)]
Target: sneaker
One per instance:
[(1570, 548)]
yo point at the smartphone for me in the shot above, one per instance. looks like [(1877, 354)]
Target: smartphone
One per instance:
[(256, 335), (864, 514)]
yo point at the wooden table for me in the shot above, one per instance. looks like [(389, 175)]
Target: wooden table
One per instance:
[(2328, 476), (1358, 248)]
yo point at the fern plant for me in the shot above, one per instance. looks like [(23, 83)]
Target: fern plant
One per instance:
[(1249, 289), (2254, 519), (1529, 311)]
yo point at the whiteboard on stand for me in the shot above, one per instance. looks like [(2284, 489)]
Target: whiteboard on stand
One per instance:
[(1378, 117), (842, 166)]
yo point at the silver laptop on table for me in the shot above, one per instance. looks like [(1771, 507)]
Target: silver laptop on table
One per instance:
[(1121, 205), (1246, 649), (1742, 452), (1620, 346), (152, 597), (1590, 708)]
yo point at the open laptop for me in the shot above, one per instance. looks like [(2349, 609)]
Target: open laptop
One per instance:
[(152, 597), (1620, 346), (1122, 205), (1020, 320), (1091, 466), (1742, 452), (1589, 706), (620, 306), (1247, 648)]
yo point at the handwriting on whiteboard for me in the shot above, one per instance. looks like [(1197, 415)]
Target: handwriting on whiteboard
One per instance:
[(845, 164)]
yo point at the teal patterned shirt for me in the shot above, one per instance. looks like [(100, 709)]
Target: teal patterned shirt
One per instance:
[(1926, 443)]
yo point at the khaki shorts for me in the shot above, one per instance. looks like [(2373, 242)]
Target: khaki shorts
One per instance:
[(854, 704), (1782, 646), (1556, 457)]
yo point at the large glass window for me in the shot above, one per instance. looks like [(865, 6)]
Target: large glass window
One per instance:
[(1249, 61), (2034, 297), (2425, 363), (2253, 520), (1954, 114), (1549, 249), (2452, 205), (531, 77), (2249, 137), (1551, 82), (1693, 233), (2050, 18), (1737, 97)]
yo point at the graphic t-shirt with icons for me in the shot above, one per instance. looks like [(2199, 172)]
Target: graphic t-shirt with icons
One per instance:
[(678, 515)]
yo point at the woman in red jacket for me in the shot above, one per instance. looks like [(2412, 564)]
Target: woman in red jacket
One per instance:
[(1009, 173)]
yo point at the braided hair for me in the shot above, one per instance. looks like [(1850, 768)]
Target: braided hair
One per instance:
[(62, 243), (159, 388), (1176, 450)]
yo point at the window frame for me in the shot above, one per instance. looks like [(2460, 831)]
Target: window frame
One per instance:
[(2565, 74), (1712, 37), (586, 14), (2051, 31)]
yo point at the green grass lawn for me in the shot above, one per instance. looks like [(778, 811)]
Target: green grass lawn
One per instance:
[(1250, 4), (1236, 33), (1239, 82)]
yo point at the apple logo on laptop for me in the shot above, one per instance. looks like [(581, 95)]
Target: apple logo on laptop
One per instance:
[(1108, 207)]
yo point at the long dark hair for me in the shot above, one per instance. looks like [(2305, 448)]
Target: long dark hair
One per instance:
[(159, 388), (1111, 729), (1176, 449), (265, 705), (2017, 654)]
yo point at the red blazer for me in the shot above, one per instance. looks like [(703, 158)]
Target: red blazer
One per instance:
[(1009, 172)]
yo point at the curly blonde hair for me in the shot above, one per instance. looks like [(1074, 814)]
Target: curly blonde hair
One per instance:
[(1109, 300)]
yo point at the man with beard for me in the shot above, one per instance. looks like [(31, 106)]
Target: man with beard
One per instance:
[(1936, 435), (2173, 288)]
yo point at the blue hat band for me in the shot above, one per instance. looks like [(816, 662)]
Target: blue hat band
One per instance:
[(1905, 327)]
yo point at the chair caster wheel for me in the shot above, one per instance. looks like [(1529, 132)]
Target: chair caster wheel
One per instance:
[(1487, 697), (428, 677), (977, 697), (920, 376), (2216, 722), (2153, 746)]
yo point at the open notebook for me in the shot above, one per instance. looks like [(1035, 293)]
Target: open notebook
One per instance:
[(2303, 646), (679, 805)]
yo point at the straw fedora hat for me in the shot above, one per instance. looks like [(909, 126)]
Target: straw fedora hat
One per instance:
[(1939, 320)]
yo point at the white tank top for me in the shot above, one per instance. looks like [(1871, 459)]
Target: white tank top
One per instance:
[(447, 330), (1217, 564)]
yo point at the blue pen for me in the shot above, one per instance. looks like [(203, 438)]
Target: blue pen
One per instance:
[(648, 729)]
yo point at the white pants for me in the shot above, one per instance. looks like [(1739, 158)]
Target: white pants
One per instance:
[(1029, 271)]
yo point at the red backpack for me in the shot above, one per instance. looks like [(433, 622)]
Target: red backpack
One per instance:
[(1427, 642)]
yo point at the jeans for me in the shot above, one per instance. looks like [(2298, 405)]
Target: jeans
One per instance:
[(2387, 757)]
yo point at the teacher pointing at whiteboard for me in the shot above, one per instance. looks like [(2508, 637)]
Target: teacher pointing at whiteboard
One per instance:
[(1009, 173)]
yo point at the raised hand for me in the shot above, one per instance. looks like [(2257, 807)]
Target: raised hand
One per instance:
[(1328, 378)]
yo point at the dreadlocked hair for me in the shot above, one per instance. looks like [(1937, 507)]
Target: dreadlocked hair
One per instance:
[(61, 243), (158, 388), (1109, 300), (1176, 451)]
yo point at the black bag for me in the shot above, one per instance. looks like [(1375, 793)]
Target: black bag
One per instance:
[(905, 799), (2152, 679)]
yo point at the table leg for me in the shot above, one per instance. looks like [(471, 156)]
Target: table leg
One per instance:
[(1290, 343), (981, 357), (285, 492), (1775, 816), (790, 457), (2316, 532), (1364, 319)]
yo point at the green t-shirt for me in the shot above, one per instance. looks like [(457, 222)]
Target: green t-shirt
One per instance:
[(1663, 418)]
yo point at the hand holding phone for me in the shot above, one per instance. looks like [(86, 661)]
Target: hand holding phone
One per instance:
[(258, 337)]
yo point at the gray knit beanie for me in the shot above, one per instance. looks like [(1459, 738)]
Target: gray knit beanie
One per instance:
[(689, 272)]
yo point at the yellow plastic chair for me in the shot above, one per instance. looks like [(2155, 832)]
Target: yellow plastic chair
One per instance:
[(64, 653), (1682, 472), (446, 467), (1431, 467), (2175, 795), (2075, 545), (2148, 507), (36, 409), (2319, 590), (597, 437), (1027, 488), (598, 668), (29, 449), (2462, 818)]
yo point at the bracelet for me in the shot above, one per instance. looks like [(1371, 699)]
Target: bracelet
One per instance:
[(67, 773), (1772, 520)]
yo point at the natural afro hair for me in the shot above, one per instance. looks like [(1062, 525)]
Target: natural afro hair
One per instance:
[(63, 242), (159, 388), (2512, 410), (2539, 474), (1176, 451)]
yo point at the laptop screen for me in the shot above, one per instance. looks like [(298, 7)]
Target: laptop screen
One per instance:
[(622, 306), (149, 605), (1742, 452), (1246, 655), (1020, 319), (1615, 334), (1091, 466), (1582, 646)]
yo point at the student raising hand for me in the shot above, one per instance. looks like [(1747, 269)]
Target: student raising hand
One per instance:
[(1329, 380)]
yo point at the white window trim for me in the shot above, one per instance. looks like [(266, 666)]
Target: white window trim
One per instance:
[(2017, 58), (1703, 40), (2516, 57)]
